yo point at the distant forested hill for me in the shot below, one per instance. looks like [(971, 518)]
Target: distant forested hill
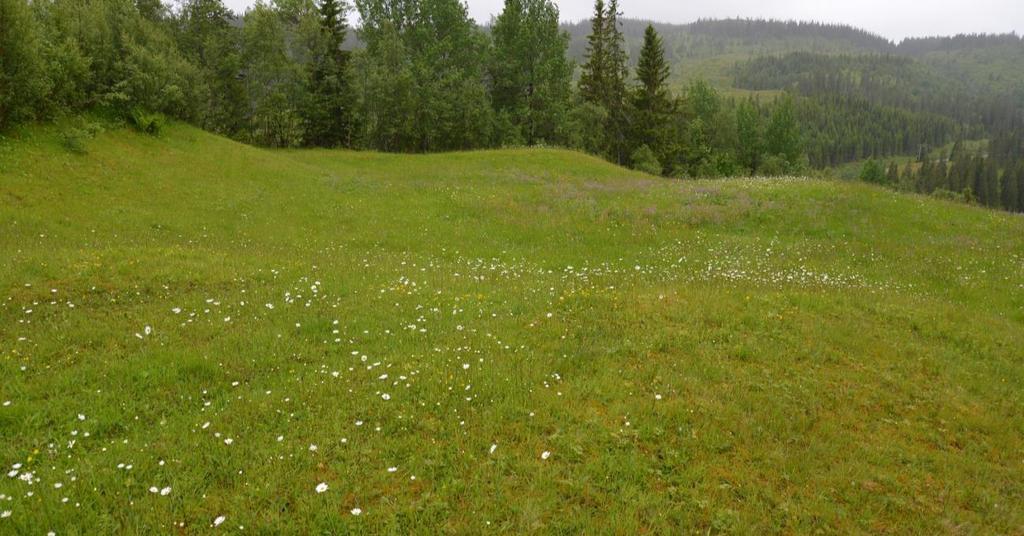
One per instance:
[(859, 94), (707, 49), (700, 47), (881, 105)]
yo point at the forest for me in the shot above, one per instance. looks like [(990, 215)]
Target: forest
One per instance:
[(422, 76)]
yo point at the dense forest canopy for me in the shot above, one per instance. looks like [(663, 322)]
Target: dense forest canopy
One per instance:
[(710, 98)]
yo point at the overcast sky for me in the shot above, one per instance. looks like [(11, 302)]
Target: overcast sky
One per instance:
[(894, 19)]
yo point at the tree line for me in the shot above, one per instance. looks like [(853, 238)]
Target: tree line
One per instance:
[(859, 106), (992, 175), (426, 78)]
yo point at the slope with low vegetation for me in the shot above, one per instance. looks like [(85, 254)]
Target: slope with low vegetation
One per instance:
[(197, 333)]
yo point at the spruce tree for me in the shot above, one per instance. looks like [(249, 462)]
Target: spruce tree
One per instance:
[(958, 151), (940, 175), (906, 183), (990, 183), (1009, 190), (618, 58), (334, 22), (603, 81), (959, 169), (617, 105), (892, 176), (593, 78), (652, 72), (651, 99), (329, 117), (923, 183), (978, 178), (1020, 187)]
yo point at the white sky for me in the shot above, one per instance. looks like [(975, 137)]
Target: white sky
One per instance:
[(894, 19)]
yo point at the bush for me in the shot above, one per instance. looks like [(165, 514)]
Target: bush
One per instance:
[(74, 138), (872, 172), (680, 171), (644, 160), (773, 166), (962, 197), (146, 122)]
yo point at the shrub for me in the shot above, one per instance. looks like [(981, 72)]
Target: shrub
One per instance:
[(144, 121), (644, 160), (74, 138), (962, 197), (872, 172), (773, 166)]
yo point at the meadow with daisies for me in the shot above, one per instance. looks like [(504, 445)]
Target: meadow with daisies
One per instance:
[(199, 336)]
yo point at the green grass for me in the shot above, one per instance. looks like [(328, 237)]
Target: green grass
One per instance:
[(744, 356)]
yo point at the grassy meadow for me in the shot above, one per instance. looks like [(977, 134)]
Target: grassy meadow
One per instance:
[(198, 336)]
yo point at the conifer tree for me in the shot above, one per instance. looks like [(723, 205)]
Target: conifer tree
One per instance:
[(603, 81), (651, 99), (1019, 176), (329, 116), (617, 55), (652, 72), (959, 169), (892, 175), (940, 176), (906, 183), (594, 77), (927, 178), (989, 193), (620, 114), (978, 178), (1010, 188)]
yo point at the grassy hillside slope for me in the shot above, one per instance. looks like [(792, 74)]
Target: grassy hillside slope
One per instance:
[(192, 328)]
